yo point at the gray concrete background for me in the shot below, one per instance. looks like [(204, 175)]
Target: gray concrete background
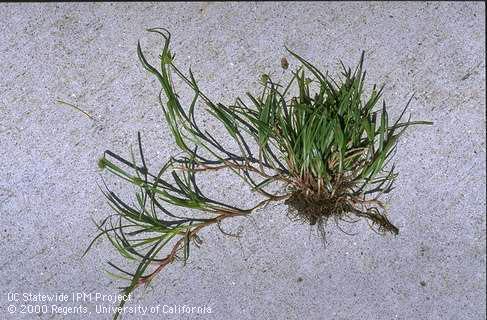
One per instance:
[(86, 54)]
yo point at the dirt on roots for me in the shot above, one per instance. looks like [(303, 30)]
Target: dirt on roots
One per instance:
[(318, 208)]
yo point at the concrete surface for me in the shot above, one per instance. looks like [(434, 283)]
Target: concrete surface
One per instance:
[(86, 54)]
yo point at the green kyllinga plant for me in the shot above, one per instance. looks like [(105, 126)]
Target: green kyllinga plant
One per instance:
[(317, 139)]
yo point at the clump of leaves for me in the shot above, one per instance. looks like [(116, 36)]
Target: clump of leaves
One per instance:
[(326, 147)]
